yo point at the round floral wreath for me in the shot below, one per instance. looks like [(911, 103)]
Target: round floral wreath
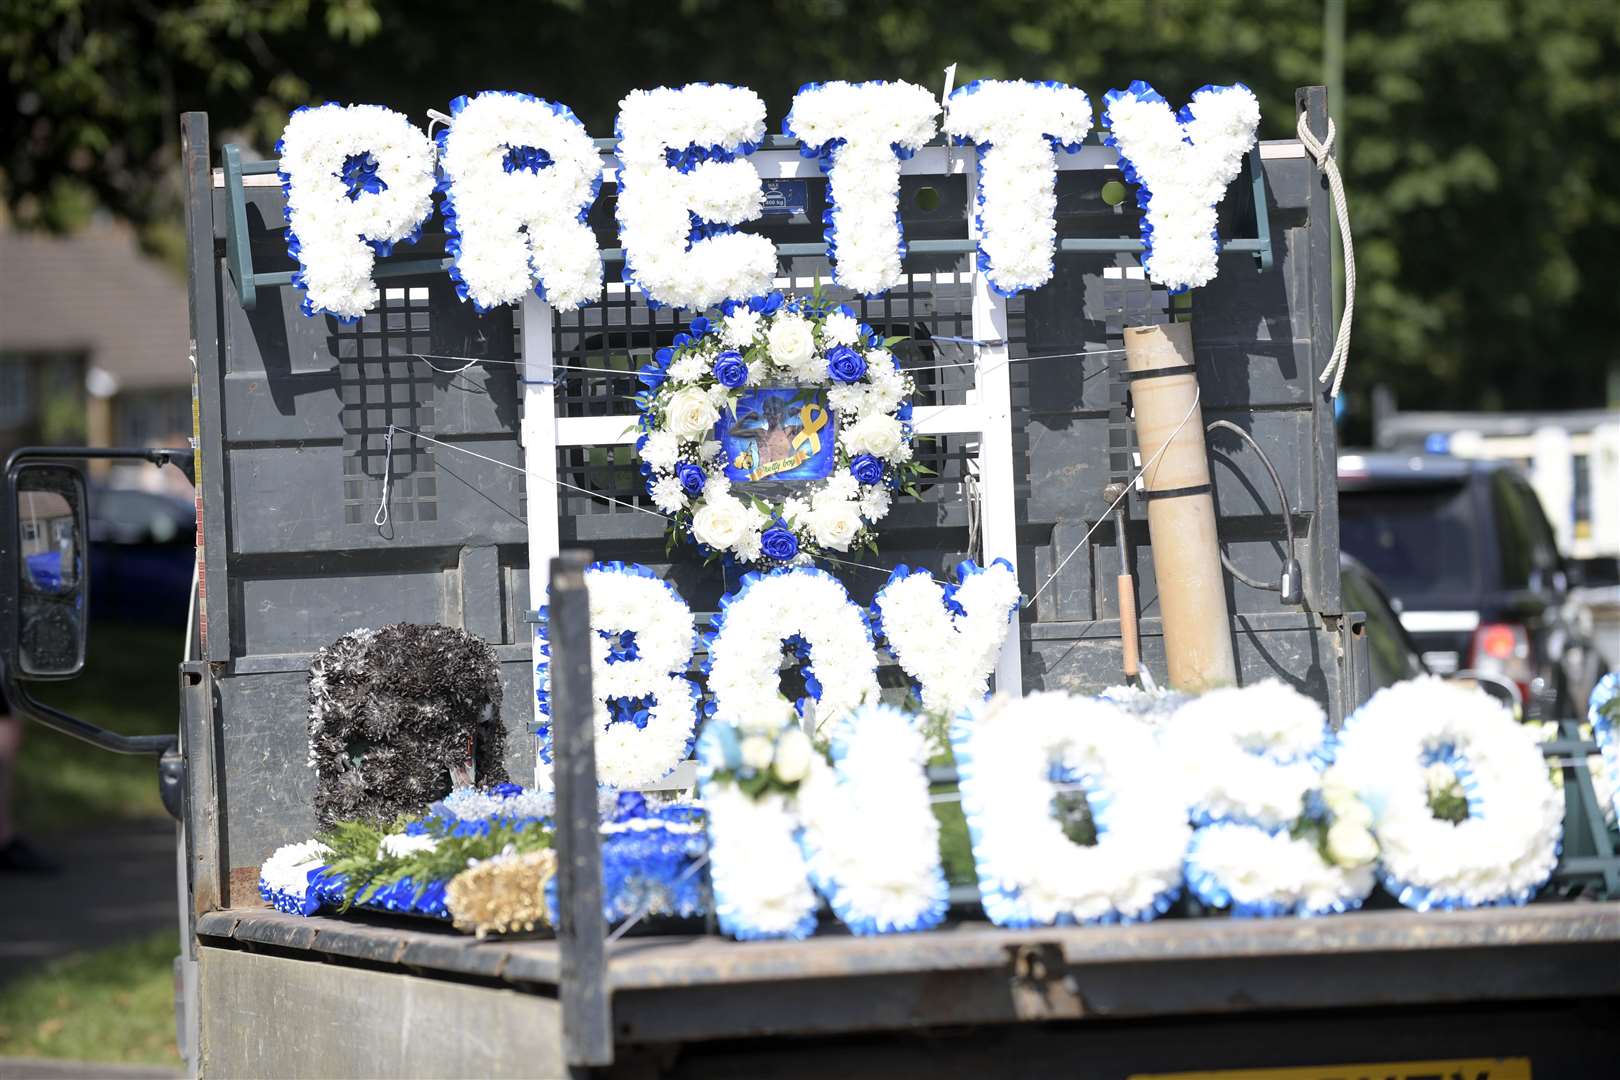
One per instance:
[(775, 341)]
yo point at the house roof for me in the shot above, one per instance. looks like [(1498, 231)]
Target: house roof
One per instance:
[(94, 291)]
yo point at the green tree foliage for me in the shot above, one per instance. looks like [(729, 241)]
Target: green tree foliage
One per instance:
[(1481, 138)]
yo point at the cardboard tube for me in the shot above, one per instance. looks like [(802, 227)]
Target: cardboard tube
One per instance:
[(1186, 558)]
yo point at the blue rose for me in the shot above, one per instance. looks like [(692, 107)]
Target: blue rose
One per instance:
[(692, 477), (700, 326), (779, 543), (845, 365), (867, 469), (766, 305), (730, 370)]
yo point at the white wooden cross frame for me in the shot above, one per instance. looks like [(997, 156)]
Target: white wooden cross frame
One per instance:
[(985, 415)]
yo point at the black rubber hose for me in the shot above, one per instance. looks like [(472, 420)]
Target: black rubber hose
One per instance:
[(1289, 585)]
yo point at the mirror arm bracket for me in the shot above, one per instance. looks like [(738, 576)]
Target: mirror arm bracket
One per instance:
[(182, 458), (68, 724)]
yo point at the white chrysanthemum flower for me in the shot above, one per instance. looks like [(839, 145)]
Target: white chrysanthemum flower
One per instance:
[(847, 400), (688, 369), (627, 755), (875, 501), (841, 329), (661, 450), (740, 328), (840, 487), (400, 845), (749, 641), (870, 835), (859, 126), (668, 495), (656, 200)]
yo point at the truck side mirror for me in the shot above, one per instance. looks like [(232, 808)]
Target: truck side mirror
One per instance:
[(44, 575)]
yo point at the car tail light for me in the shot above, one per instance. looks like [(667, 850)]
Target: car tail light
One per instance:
[(1503, 649)]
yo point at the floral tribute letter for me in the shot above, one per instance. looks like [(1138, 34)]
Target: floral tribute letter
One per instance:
[(1019, 127), (683, 188), (861, 132), (520, 175), (358, 179), (1182, 163), (646, 707)]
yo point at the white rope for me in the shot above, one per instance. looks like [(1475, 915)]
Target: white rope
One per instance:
[(381, 517), (382, 510), (1106, 514), (1322, 151)]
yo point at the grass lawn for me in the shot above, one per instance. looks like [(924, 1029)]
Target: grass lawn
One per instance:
[(113, 1005), (131, 685)]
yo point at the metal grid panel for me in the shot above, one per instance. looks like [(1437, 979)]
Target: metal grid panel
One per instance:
[(381, 382)]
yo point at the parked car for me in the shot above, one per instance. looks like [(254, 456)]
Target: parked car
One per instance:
[(1392, 655), (142, 544), (1471, 564)]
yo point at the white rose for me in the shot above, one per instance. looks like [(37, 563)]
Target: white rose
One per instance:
[(875, 434), (1335, 795), (792, 756), (756, 752), (661, 450), (835, 524), (790, 341), (1351, 845), (840, 329), (720, 521), (1439, 776), (1355, 812), (689, 413)]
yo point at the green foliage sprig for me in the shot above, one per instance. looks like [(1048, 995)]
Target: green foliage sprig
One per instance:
[(357, 853)]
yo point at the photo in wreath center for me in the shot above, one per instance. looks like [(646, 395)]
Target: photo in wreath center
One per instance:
[(778, 435)]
